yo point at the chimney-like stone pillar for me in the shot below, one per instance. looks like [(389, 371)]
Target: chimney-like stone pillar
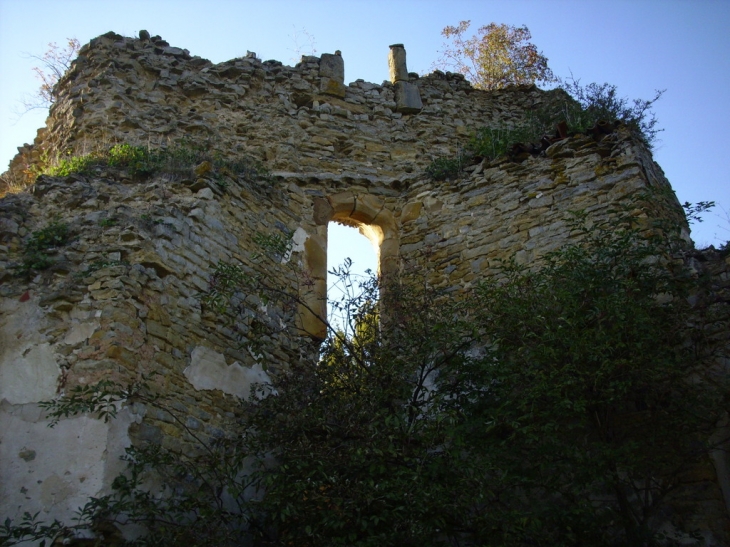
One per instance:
[(407, 95), (397, 63)]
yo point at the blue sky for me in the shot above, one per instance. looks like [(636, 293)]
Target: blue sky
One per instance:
[(682, 46)]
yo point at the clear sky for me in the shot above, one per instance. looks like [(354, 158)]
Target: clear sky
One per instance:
[(682, 46)]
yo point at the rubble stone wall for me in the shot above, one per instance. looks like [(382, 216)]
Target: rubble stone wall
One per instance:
[(122, 298)]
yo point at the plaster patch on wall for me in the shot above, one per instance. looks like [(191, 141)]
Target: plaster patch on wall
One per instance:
[(57, 486), (29, 376), (298, 239), (28, 370), (208, 370)]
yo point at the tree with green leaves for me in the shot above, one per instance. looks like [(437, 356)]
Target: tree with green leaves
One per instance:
[(497, 56)]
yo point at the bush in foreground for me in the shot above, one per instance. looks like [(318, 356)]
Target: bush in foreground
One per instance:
[(557, 406)]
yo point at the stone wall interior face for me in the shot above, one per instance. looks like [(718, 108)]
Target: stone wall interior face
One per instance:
[(122, 297)]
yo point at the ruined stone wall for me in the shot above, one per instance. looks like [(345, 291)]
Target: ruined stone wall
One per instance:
[(122, 298), (299, 119)]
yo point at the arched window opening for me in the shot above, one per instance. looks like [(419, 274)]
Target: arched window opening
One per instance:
[(373, 220), (352, 268)]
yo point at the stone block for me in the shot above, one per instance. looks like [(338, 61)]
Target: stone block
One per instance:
[(330, 86), (323, 211), (316, 255), (157, 330), (411, 211), (375, 147), (404, 154), (407, 98), (366, 209), (389, 256), (313, 310), (342, 202), (332, 66)]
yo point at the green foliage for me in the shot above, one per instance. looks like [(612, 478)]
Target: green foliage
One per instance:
[(33, 261), (225, 280), (694, 212), (590, 396), (29, 528), (137, 160), (75, 164), (493, 143), (229, 279), (107, 222), (580, 107), (601, 102), (35, 257), (100, 399), (247, 301), (54, 234), (359, 445), (277, 246), (196, 498), (140, 161), (445, 168)]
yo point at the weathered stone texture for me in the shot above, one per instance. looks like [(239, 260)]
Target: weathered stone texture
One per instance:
[(123, 297), (407, 98), (397, 63)]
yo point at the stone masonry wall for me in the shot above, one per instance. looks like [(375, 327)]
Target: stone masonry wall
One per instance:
[(122, 298), (145, 92)]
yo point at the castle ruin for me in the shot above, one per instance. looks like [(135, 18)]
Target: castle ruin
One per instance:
[(121, 298)]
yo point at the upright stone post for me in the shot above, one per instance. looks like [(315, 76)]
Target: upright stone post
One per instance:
[(332, 74), (407, 95), (397, 63)]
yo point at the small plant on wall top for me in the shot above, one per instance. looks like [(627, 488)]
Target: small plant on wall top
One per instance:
[(140, 161), (492, 143), (580, 108)]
